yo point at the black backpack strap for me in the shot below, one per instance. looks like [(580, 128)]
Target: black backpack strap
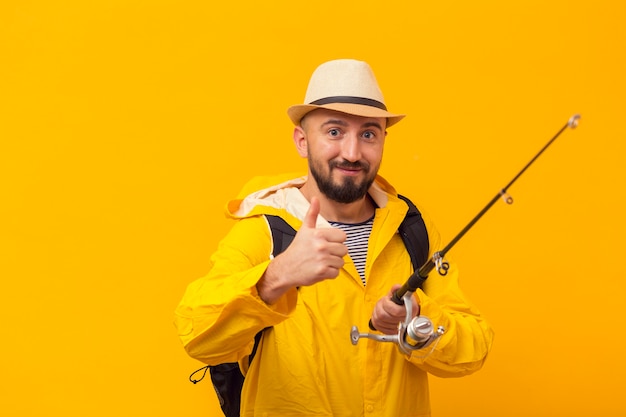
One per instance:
[(257, 340), (414, 235), (282, 234)]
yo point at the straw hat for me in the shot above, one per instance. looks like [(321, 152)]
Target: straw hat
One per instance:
[(344, 85)]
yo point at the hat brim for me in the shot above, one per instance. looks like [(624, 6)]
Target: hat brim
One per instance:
[(297, 112)]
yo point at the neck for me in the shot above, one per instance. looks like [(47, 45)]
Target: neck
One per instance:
[(356, 212)]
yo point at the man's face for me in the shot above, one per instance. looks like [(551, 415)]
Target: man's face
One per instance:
[(344, 152)]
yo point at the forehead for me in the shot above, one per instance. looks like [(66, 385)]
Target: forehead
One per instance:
[(322, 116)]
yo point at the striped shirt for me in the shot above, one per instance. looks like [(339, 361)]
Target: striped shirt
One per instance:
[(358, 235)]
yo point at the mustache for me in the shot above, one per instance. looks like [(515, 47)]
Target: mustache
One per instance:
[(350, 165)]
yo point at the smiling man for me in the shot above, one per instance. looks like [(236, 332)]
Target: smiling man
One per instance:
[(344, 153), (341, 268)]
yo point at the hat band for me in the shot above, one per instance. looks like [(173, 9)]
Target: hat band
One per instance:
[(350, 100)]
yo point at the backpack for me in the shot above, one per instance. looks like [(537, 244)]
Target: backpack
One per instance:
[(227, 377)]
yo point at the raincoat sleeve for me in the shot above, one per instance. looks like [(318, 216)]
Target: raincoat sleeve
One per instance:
[(468, 337), (220, 314)]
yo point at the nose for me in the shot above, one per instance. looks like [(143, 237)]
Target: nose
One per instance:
[(351, 148)]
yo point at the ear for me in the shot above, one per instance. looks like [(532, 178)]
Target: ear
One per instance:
[(299, 139)]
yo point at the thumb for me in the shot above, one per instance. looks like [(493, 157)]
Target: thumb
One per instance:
[(310, 218)]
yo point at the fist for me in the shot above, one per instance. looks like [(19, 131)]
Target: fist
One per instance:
[(387, 314)]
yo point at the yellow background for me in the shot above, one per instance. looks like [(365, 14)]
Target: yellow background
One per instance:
[(126, 125)]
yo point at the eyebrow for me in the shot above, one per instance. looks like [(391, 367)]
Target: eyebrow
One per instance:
[(372, 124), (335, 122), (344, 123)]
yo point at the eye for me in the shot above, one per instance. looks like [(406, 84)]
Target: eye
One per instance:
[(369, 135), (334, 132)]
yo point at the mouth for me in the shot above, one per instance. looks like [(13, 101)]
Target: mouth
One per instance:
[(352, 169), (349, 171)]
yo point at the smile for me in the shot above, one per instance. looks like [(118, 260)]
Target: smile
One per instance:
[(349, 171)]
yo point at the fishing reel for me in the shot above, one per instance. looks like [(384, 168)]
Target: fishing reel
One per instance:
[(413, 334)]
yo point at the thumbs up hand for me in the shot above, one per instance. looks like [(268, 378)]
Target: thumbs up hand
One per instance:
[(314, 255), (319, 252)]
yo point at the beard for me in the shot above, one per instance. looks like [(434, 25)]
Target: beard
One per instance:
[(349, 190)]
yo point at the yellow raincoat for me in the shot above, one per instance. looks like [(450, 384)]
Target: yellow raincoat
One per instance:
[(306, 364)]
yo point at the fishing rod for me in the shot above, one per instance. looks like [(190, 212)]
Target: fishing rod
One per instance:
[(416, 280), (423, 333)]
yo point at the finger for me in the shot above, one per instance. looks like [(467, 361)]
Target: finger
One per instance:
[(393, 311), (394, 287), (338, 249), (385, 324), (333, 235), (310, 218)]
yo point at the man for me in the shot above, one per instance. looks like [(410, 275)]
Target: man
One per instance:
[(340, 270)]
